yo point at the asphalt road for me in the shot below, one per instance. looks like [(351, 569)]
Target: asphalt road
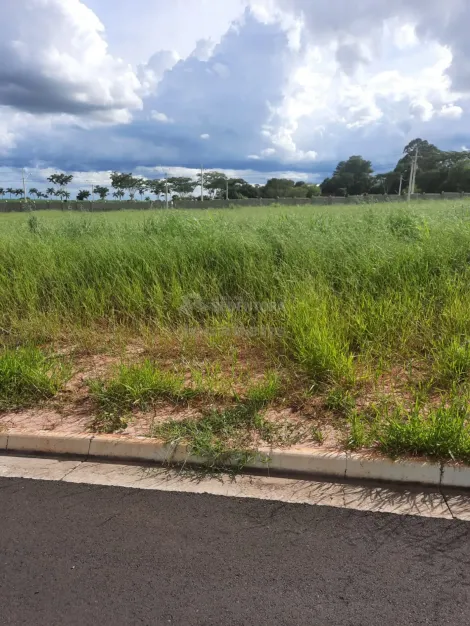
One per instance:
[(74, 554)]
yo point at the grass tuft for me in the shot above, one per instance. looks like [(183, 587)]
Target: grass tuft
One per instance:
[(28, 376), (443, 434), (133, 387), (229, 436)]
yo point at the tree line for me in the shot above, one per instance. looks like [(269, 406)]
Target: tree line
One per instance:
[(216, 185), (438, 171)]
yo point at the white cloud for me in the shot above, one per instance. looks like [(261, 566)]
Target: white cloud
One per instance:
[(54, 59), (451, 111), (161, 117), (291, 84)]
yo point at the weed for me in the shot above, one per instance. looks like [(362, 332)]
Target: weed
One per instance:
[(443, 433), (221, 436), (33, 224), (264, 392), (133, 387), (340, 401), (359, 432), (452, 362), (28, 376), (317, 435)]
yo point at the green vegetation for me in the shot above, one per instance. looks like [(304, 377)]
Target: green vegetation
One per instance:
[(442, 433), (133, 387), (28, 376), (439, 170), (228, 436), (355, 302)]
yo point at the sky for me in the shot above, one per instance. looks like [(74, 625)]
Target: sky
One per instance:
[(255, 88)]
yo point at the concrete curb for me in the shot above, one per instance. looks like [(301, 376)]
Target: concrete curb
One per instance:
[(288, 461)]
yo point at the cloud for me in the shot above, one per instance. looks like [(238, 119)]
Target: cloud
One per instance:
[(54, 59), (283, 85), (161, 117), (152, 72)]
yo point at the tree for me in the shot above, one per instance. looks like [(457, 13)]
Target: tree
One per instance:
[(18, 192), (215, 183), (313, 191), (83, 194), (10, 191), (182, 186), (34, 192), (351, 177), (102, 192), (124, 182), (157, 187), (239, 189), (119, 194), (62, 180), (141, 187), (50, 191), (2, 192)]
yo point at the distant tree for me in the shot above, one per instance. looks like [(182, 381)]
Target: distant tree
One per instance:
[(351, 177), (102, 191), (62, 180), (141, 187), (50, 191), (148, 199), (239, 189), (10, 191), (2, 192), (83, 194), (216, 184), (34, 192), (119, 194), (157, 187), (18, 192), (313, 191), (182, 186)]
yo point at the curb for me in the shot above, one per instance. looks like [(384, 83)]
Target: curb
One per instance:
[(288, 461)]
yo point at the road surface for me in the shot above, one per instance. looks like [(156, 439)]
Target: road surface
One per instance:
[(74, 554)]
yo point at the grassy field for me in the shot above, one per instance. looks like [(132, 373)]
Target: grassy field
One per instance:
[(351, 321)]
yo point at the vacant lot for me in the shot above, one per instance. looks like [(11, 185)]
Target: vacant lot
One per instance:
[(342, 325)]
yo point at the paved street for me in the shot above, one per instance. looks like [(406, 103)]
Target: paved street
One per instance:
[(77, 554)]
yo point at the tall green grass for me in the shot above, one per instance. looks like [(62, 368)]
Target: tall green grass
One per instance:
[(337, 288), (28, 376)]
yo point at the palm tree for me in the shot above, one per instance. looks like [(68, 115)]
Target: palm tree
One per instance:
[(18, 192), (118, 194), (141, 189), (102, 191), (2, 192), (10, 191), (34, 192), (83, 194), (50, 191)]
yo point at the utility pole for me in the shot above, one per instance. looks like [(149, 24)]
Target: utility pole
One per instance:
[(166, 192), (226, 189), (414, 168), (202, 184), (92, 195), (24, 184), (401, 185)]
